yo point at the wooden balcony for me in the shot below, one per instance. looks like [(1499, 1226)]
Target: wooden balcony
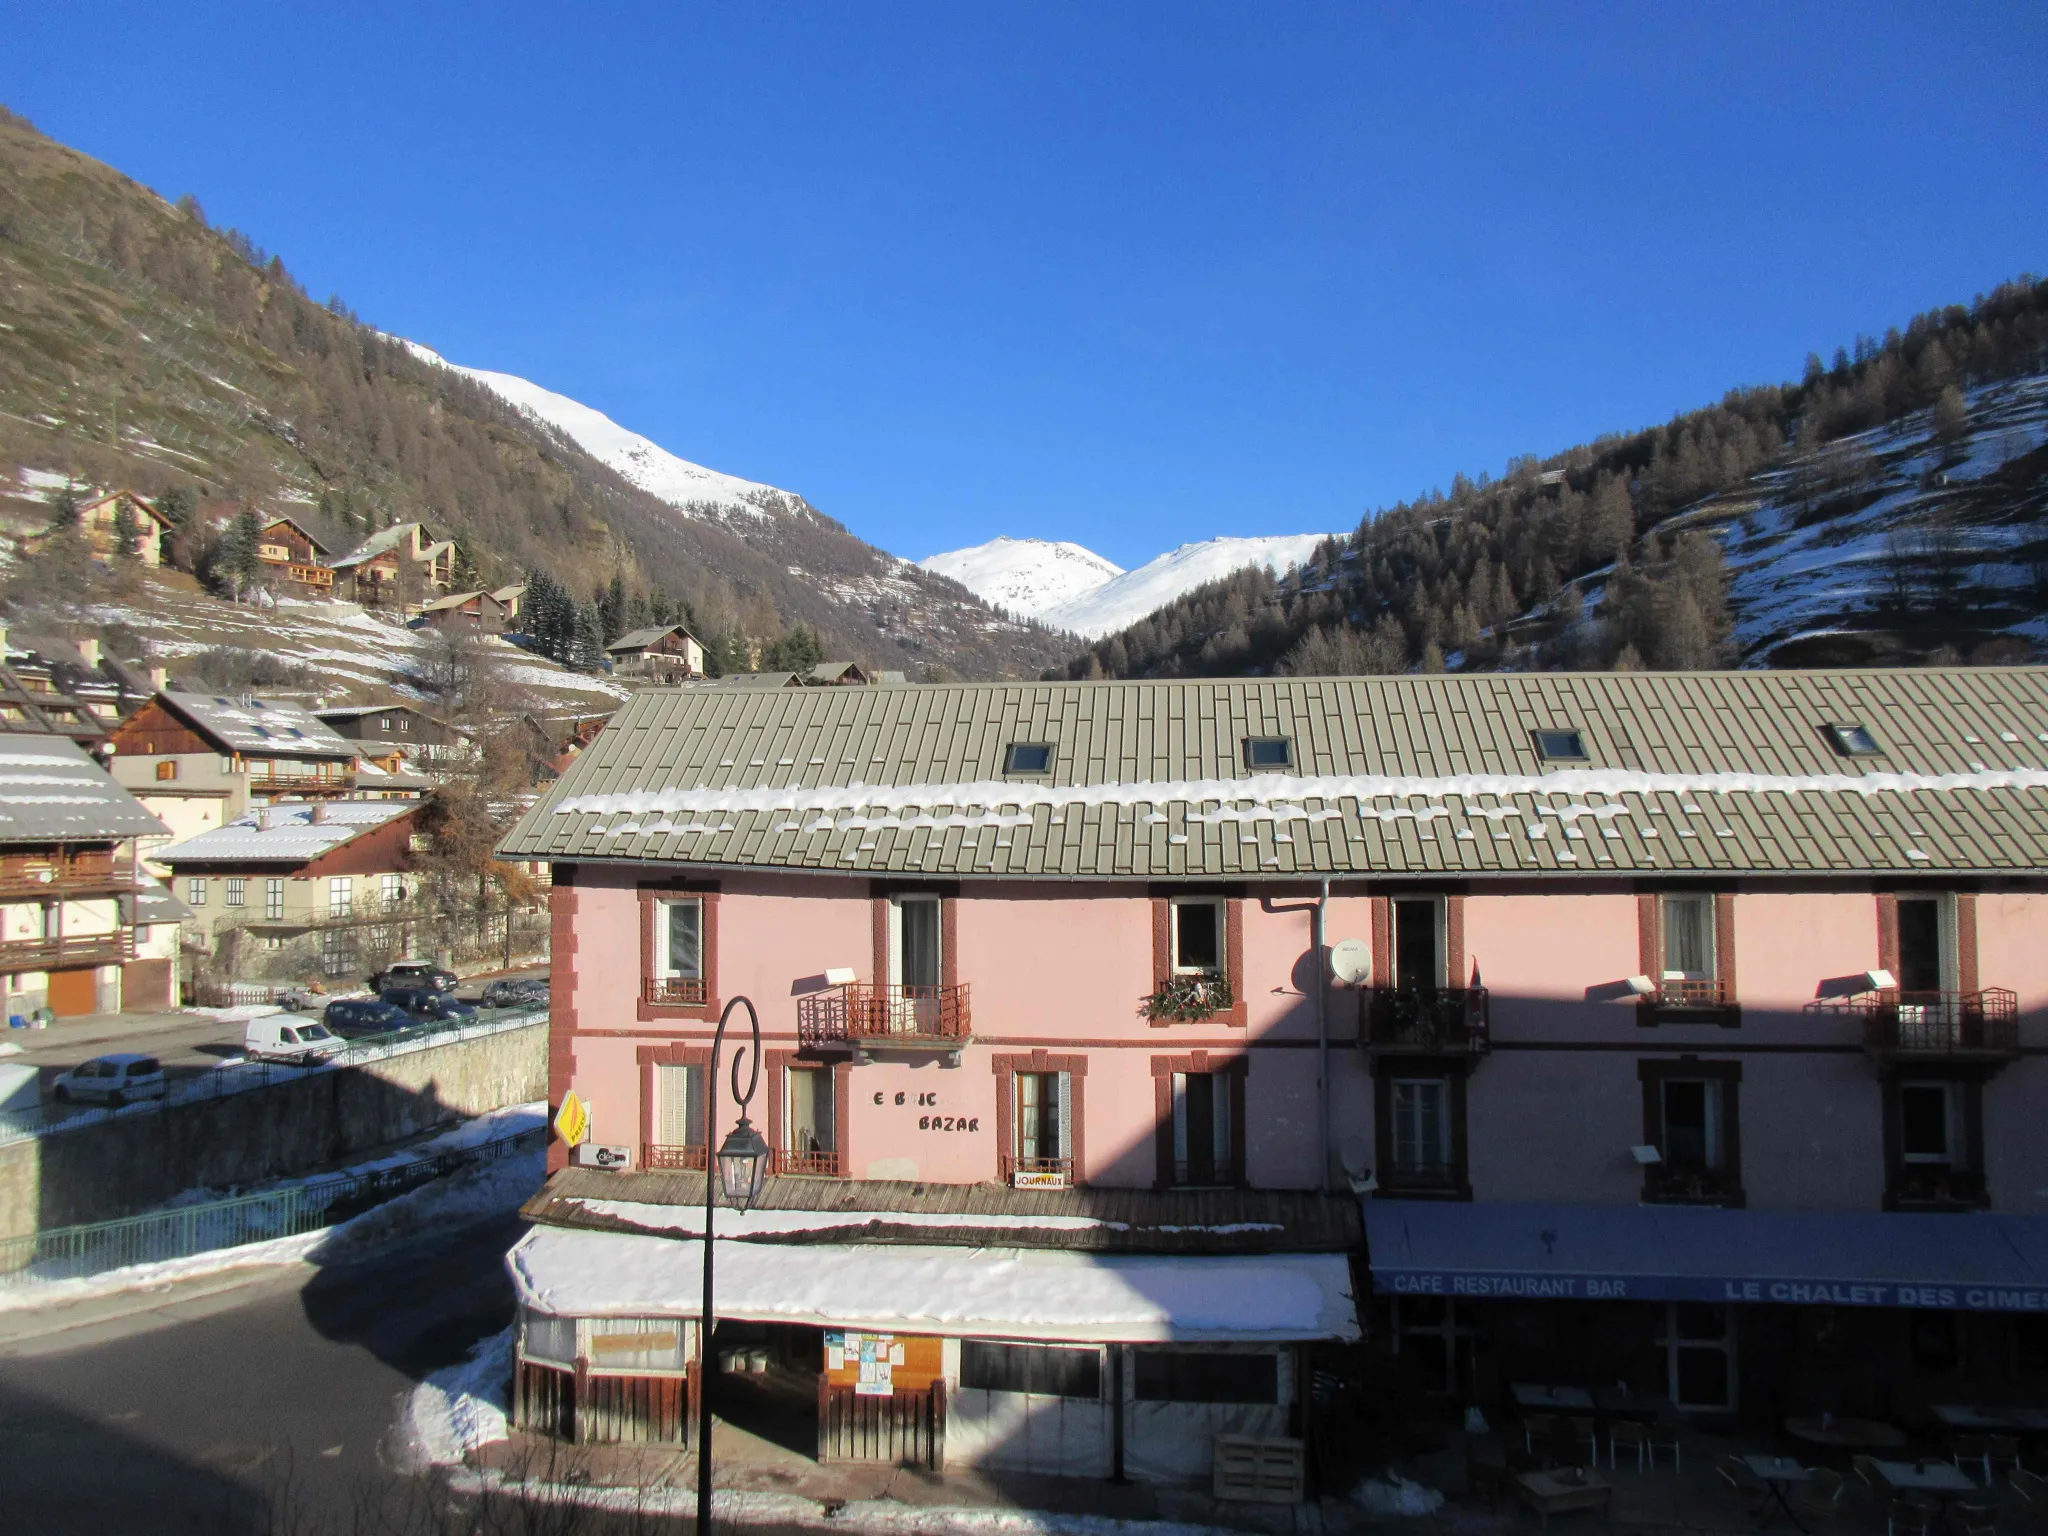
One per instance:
[(1690, 1184), (1038, 1172), (867, 1017), (68, 953), (1705, 1001), (1940, 1026), (1437, 1021), (814, 1164), (688, 1159), (674, 991), (93, 872), (279, 779)]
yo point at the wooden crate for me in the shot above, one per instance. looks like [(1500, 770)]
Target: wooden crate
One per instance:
[(1258, 1470)]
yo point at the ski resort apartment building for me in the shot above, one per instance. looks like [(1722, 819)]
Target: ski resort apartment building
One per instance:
[(1128, 1045), (82, 930)]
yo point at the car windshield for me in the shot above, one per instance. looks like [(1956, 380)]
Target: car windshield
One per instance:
[(143, 1067), (314, 1032)]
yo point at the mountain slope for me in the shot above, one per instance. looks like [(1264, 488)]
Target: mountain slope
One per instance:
[(1129, 597), (139, 346), (1025, 576), (1891, 507)]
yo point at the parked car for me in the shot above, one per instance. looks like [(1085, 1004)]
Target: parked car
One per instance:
[(413, 973), (113, 1080), (288, 1038), (429, 1007), (353, 1018), (517, 992)]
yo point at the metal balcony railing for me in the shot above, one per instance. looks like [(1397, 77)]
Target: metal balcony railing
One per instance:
[(1437, 1020), (1925, 1186), (1941, 1024), (816, 1163), (684, 1159), (1038, 1172), (675, 991), (1689, 1184), (863, 1013)]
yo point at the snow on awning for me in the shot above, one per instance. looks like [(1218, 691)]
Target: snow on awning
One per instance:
[(965, 1292)]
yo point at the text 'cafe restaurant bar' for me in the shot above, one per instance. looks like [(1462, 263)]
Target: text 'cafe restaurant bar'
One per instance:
[(1753, 1313)]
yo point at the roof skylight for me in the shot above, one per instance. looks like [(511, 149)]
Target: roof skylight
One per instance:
[(1028, 757), (1853, 741), (1560, 745)]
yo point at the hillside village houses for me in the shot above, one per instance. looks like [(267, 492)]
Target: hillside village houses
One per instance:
[(478, 613), (82, 930), (99, 521), (198, 761), (668, 654), (293, 553), (1639, 1029), (396, 565), (70, 688), (380, 730)]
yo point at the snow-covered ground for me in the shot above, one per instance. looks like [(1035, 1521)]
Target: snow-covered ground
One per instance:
[(1025, 576), (641, 460)]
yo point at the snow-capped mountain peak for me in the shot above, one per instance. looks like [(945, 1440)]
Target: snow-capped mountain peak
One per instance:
[(640, 460), (1025, 576)]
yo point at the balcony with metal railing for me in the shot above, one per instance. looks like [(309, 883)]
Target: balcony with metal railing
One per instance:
[(1936, 1187), (1426, 1021), (867, 1017), (1037, 1172), (1690, 1000), (661, 1158), (813, 1163), (674, 991), (1981, 1026), (1690, 1184)]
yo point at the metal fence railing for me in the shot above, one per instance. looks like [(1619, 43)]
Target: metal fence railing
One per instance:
[(52, 1117), (64, 1253)]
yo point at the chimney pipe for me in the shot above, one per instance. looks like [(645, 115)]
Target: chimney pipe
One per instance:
[(89, 652), (159, 678)]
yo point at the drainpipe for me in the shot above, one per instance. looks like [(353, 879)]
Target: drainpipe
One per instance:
[(1322, 984)]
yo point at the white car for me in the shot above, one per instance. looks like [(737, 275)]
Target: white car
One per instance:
[(113, 1080), (289, 1037)]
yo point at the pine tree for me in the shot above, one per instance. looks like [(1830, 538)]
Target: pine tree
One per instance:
[(1951, 416), (127, 532), (64, 506)]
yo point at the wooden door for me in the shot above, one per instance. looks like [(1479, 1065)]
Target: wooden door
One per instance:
[(74, 992)]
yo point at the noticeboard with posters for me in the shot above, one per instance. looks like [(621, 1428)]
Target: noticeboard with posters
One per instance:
[(882, 1364)]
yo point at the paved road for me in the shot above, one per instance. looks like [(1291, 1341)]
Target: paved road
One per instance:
[(281, 1395)]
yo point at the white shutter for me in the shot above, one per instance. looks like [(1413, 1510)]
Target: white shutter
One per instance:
[(1063, 1091)]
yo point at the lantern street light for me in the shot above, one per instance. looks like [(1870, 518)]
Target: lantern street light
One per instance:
[(740, 1169)]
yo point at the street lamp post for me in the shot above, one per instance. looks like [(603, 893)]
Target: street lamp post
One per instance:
[(740, 1167)]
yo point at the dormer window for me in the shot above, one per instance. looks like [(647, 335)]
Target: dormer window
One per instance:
[(1028, 757), (1560, 745), (1853, 741), (1268, 752)]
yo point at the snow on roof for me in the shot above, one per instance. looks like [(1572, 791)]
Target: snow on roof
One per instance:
[(1005, 1293), (384, 541), (287, 833), (247, 723), (452, 600), (50, 790), (155, 904), (778, 1223)]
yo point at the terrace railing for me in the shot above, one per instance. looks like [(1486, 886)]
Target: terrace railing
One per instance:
[(1453, 1021), (862, 1013)]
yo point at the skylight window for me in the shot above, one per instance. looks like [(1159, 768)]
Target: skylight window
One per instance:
[(1028, 757), (1268, 752), (1853, 741), (1560, 746)]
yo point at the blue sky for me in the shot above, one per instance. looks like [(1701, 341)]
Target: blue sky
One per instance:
[(1124, 274)]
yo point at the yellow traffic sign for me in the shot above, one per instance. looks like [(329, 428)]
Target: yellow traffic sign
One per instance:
[(572, 1120)]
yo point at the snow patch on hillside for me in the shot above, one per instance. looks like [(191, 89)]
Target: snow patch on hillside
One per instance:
[(1025, 576), (1131, 596), (641, 460)]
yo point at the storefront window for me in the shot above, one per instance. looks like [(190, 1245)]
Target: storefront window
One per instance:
[(1699, 1354), (1048, 1372), (1183, 1376)]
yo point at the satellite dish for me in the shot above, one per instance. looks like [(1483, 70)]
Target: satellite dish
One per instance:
[(1350, 961)]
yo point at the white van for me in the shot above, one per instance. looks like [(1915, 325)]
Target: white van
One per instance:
[(289, 1037)]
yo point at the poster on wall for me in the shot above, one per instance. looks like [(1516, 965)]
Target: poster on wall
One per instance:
[(867, 1361)]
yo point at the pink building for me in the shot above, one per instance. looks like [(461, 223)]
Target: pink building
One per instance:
[(1128, 1044)]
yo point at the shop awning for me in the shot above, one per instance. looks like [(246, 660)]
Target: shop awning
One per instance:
[(1006, 1293), (1980, 1261)]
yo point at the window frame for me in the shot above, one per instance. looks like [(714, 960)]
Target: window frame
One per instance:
[(1441, 919), (341, 897), (978, 1353), (166, 770), (1843, 736), (235, 891), (1658, 1008), (1074, 1070), (195, 890), (1541, 738), (1720, 1181), (1249, 746), (1233, 1071), (1013, 767), (1147, 1362), (1704, 905), (1174, 908), (1394, 1183), (273, 898), (654, 896), (1916, 1182)]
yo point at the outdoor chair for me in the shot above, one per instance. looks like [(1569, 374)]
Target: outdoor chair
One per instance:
[(1907, 1517), (1582, 1433), (1824, 1495), (1538, 1429), (2001, 1451), (1971, 1451), (1626, 1432), (1867, 1473), (1972, 1519), (1664, 1437), (1742, 1485)]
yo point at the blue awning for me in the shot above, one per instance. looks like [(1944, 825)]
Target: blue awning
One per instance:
[(1980, 1261)]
